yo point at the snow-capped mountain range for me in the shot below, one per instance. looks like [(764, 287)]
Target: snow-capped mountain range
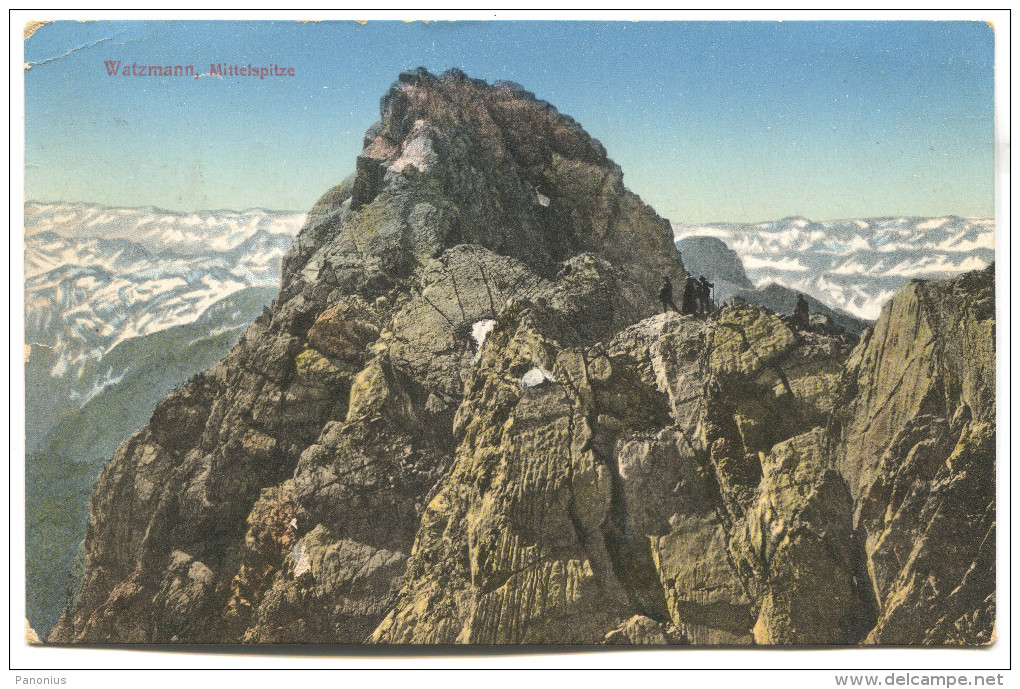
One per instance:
[(95, 277), (854, 265), (123, 305)]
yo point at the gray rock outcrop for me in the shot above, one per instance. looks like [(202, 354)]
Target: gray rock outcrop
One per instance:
[(463, 421), (709, 256), (277, 496)]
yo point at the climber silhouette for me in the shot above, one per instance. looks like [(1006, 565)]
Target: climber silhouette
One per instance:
[(706, 295), (666, 295), (800, 312), (689, 298)]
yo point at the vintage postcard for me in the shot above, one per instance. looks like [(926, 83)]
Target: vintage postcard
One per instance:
[(548, 333)]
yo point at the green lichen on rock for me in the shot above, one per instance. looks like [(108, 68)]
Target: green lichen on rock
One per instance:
[(916, 439), (465, 421)]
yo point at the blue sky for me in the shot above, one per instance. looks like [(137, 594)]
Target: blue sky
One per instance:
[(710, 121)]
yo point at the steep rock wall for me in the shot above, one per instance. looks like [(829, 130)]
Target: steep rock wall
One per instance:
[(462, 422), (916, 438), (276, 497)]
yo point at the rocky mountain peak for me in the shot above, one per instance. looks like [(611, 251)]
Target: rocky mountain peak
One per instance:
[(455, 100), (463, 421), (455, 160)]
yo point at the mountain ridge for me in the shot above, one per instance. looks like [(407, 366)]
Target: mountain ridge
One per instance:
[(360, 468), (854, 265)]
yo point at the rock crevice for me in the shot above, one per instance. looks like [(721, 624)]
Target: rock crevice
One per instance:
[(464, 421)]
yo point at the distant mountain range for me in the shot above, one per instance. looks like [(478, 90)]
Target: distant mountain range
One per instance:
[(60, 473), (97, 277), (121, 307), (711, 258), (124, 305), (853, 265)]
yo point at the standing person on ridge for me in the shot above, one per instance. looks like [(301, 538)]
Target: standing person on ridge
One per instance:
[(800, 312), (706, 295), (666, 295), (689, 298)]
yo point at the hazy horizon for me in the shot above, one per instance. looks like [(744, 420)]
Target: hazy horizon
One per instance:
[(675, 223)]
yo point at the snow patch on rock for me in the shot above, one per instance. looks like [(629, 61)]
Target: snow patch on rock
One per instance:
[(479, 331), (302, 562), (536, 377)]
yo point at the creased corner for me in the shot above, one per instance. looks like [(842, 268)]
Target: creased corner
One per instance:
[(31, 637), (32, 26)]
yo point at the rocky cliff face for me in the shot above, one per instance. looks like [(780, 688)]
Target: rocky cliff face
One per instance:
[(645, 477), (276, 497), (461, 422), (915, 438), (709, 256)]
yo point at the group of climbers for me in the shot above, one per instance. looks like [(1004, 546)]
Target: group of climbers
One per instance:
[(696, 298)]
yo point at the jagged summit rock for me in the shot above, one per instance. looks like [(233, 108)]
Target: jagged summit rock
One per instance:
[(463, 421), (455, 161), (634, 486), (315, 444)]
